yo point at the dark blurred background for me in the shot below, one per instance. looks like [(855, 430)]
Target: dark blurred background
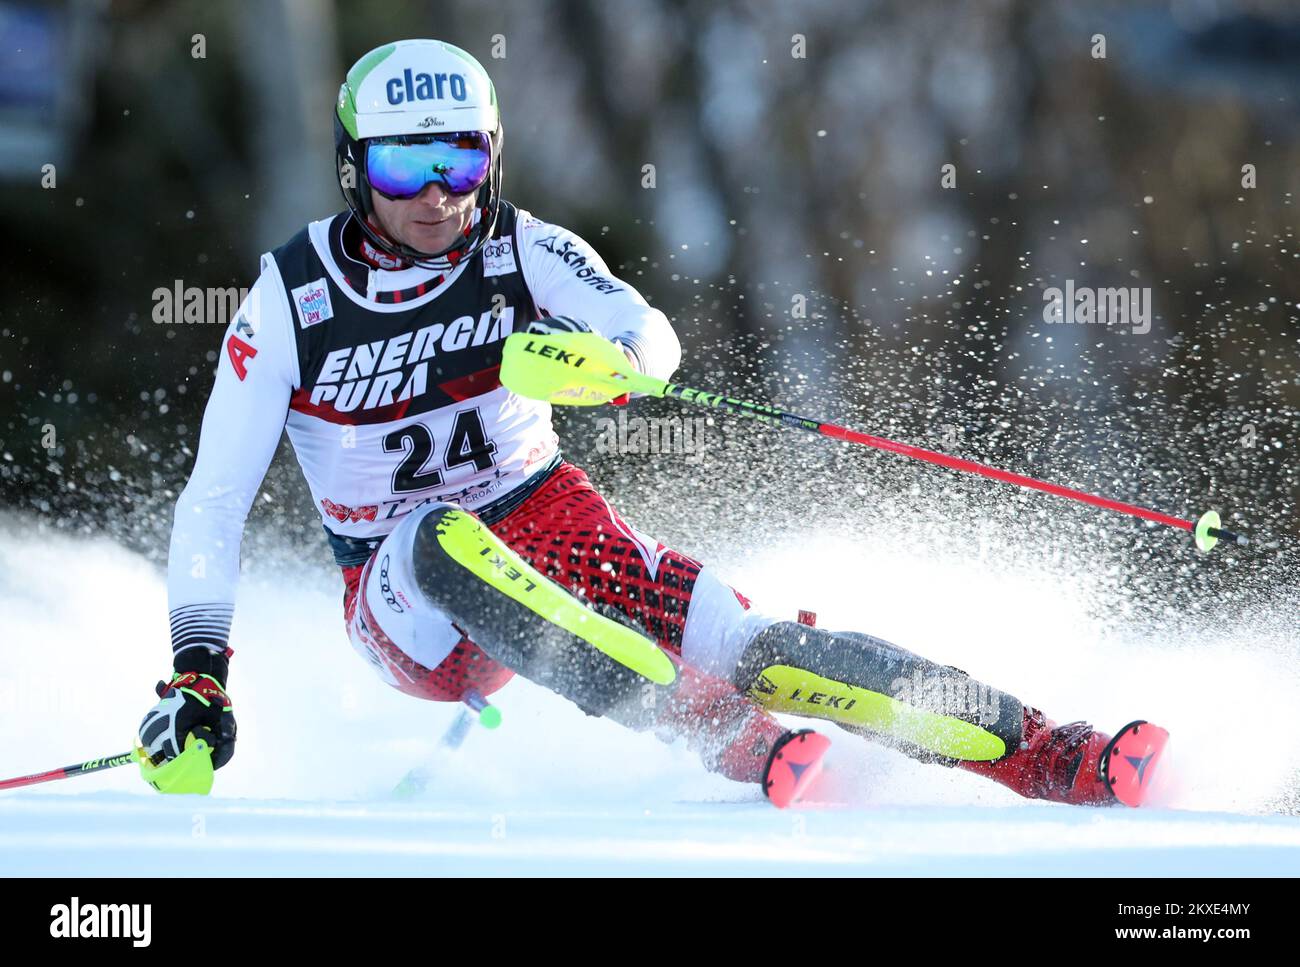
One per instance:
[(799, 232)]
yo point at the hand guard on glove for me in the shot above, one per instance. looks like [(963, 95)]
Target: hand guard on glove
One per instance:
[(193, 702), (554, 324)]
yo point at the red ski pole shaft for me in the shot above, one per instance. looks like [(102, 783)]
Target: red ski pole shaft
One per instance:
[(1006, 476), (68, 772), (836, 432)]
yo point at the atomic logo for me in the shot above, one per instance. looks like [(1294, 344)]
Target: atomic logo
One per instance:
[(1139, 764)]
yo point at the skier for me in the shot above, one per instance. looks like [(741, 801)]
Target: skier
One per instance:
[(375, 338)]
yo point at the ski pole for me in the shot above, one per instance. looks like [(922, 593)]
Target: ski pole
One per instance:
[(68, 772), (489, 716), (585, 369), (1206, 529)]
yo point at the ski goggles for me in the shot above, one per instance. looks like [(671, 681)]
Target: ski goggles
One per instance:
[(400, 168)]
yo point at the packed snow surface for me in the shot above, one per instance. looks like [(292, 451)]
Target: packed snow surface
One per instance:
[(323, 742)]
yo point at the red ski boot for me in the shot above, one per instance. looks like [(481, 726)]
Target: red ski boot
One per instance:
[(737, 738), (1060, 763)]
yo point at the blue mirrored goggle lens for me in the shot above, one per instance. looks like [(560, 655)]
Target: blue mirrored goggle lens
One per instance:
[(460, 163)]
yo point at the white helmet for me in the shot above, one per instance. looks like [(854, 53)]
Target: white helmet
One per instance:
[(416, 90)]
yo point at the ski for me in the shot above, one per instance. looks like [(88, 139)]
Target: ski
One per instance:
[(793, 768), (1131, 760)]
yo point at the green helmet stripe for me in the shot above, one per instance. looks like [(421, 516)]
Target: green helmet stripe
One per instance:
[(347, 93), (368, 63)]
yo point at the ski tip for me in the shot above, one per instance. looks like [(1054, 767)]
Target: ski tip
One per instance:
[(1131, 760), (793, 766)]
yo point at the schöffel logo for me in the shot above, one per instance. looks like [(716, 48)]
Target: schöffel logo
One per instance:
[(115, 921), (313, 303), (425, 87), (575, 260)]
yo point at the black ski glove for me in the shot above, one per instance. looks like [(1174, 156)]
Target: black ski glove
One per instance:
[(194, 701), (554, 324)]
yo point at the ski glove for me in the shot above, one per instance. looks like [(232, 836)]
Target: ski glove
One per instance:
[(553, 324), (192, 702)]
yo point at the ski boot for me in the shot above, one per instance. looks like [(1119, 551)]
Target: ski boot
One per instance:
[(736, 738), (874, 688), (1076, 764), (939, 714)]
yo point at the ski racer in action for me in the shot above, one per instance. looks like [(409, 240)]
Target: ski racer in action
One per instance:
[(471, 549)]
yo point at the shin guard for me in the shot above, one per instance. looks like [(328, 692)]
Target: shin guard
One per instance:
[(596, 658), (869, 686)]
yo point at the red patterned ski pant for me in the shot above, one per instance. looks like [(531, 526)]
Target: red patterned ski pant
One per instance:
[(570, 533)]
